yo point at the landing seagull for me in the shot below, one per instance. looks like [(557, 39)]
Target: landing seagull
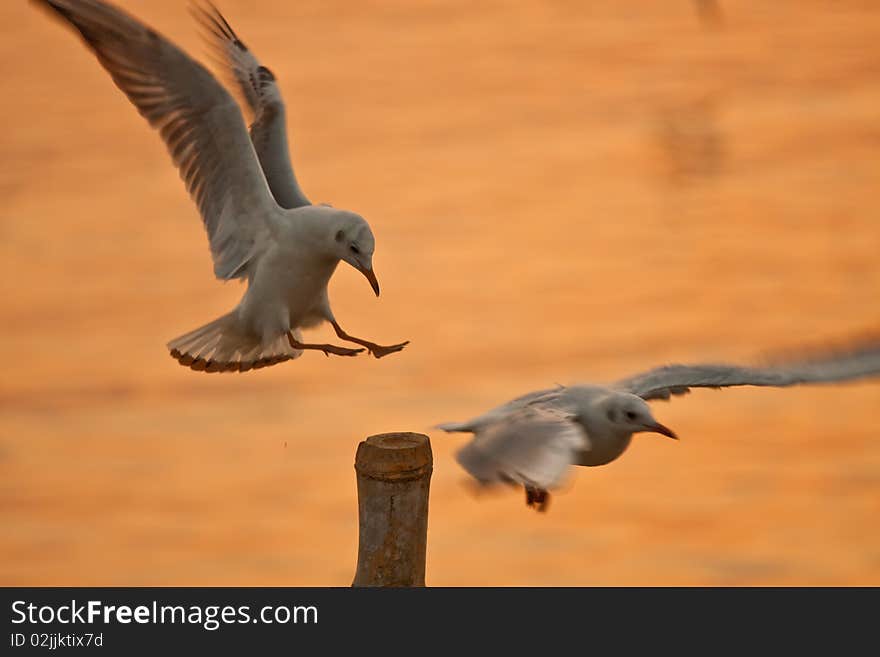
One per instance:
[(260, 225), (534, 439)]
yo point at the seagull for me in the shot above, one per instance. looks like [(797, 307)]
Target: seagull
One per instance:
[(534, 439), (261, 227)]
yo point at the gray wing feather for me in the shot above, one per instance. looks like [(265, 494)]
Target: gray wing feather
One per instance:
[(856, 361), (548, 396), (531, 446), (199, 121), (257, 87)]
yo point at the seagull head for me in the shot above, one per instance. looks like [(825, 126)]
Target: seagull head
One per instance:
[(353, 242), (631, 414)]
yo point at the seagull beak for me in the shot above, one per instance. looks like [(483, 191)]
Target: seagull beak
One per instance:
[(661, 429), (370, 276)]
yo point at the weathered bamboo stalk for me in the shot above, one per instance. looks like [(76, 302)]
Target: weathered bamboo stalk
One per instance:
[(393, 480)]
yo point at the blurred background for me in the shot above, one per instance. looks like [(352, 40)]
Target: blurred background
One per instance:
[(560, 191)]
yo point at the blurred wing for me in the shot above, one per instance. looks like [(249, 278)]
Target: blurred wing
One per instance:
[(856, 361), (531, 447), (199, 121), (258, 89), (501, 412)]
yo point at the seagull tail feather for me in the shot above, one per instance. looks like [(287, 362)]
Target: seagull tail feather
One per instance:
[(451, 427), (222, 346)]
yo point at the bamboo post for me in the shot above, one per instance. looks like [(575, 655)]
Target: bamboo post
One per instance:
[(393, 478)]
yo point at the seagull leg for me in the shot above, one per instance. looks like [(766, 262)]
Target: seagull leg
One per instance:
[(542, 501), (326, 348), (377, 350), (537, 498)]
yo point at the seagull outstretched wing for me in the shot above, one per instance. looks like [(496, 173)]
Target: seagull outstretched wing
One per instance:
[(855, 361), (199, 121), (257, 87)]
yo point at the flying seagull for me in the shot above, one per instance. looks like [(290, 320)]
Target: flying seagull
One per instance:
[(260, 226), (534, 439)]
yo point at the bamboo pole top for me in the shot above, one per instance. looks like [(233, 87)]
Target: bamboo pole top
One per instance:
[(394, 456)]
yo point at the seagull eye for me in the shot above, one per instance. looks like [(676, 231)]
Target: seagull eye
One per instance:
[(630, 415), (355, 250)]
